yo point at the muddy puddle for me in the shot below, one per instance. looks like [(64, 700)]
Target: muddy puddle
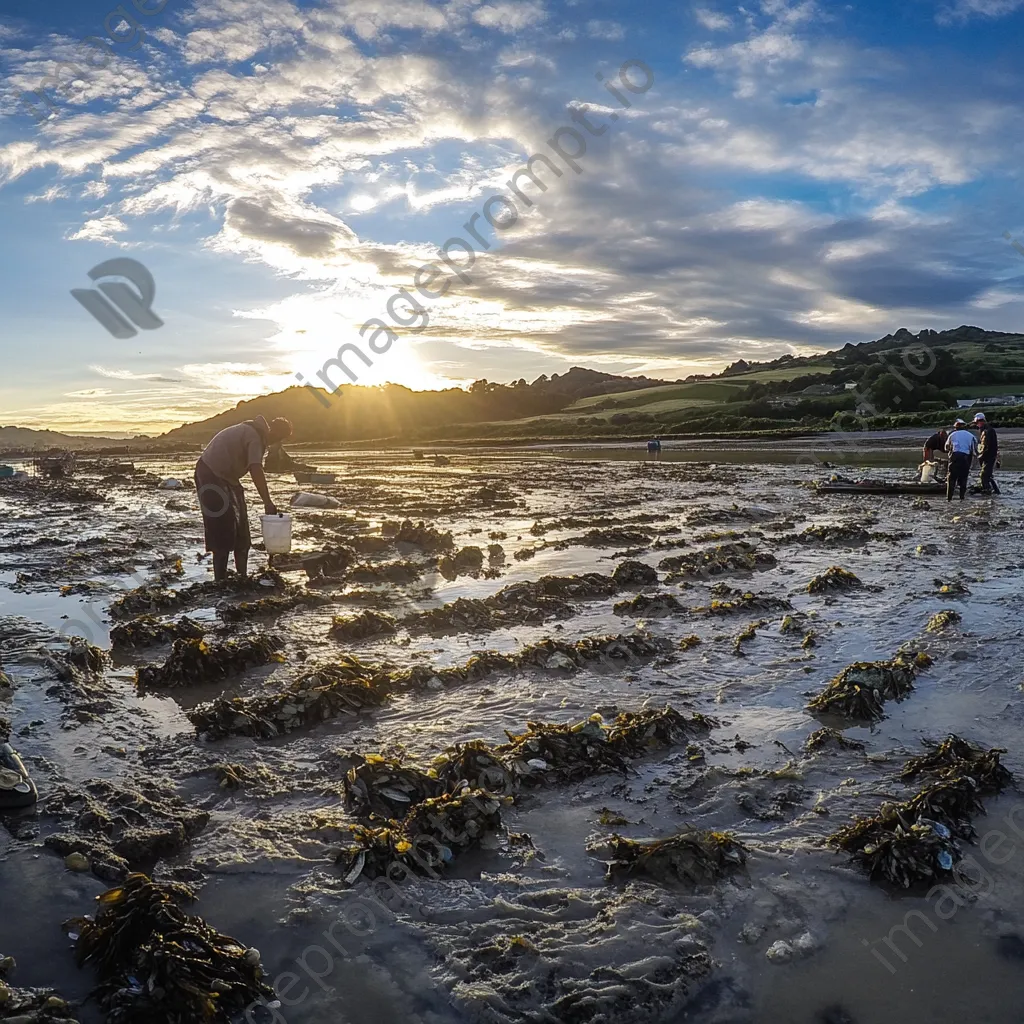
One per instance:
[(472, 637)]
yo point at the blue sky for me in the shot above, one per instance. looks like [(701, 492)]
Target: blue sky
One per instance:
[(797, 175)]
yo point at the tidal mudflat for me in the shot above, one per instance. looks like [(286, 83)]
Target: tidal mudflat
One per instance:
[(520, 736)]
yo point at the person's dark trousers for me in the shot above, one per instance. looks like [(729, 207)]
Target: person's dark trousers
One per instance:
[(959, 471), (988, 482)]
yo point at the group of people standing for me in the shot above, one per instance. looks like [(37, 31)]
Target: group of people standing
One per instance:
[(959, 448)]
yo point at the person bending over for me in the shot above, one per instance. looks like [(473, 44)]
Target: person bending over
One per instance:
[(962, 449), (935, 451), (233, 453)]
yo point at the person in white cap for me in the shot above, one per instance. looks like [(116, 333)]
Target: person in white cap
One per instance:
[(988, 453), (962, 449)]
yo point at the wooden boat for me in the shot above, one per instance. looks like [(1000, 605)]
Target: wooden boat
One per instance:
[(56, 465), (880, 487)]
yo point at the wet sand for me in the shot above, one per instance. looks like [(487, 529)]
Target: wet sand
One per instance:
[(447, 949)]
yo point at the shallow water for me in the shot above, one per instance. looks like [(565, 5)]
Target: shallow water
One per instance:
[(271, 885)]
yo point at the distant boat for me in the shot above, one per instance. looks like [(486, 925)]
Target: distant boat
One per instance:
[(880, 487), (315, 478), (56, 465)]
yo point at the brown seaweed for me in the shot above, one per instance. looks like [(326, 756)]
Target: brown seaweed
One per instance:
[(345, 687), (692, 857), (955, 757), (154, 962), (861, 689), (120, 827), (738, 556), (366, 625), (148, 630), (198, 661), (834, 578)]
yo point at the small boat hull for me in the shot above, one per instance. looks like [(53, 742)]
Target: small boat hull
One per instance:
[(878, 488), (315, 478)]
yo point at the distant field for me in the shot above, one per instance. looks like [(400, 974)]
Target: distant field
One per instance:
[(698, 393), (684, 395), (783, 373)]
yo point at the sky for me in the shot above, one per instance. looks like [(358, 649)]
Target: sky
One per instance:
[(781, 176)]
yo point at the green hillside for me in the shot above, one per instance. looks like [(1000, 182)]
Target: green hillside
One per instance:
[(902, 379)]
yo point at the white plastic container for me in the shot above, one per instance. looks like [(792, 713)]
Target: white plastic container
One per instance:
[(928, 472), (277, 533)]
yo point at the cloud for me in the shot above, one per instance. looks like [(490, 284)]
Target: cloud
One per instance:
[(796, 193), (101, 229), (610, 30), (712, 20), (113, 374), (510, 17), (964, 10)]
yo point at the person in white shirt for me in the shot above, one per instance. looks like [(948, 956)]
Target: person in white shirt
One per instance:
[(963, 450)]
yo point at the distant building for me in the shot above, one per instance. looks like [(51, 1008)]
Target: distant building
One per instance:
[(850, 385)]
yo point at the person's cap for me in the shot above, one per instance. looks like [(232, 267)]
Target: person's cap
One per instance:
[(959, 423), (979, 418)]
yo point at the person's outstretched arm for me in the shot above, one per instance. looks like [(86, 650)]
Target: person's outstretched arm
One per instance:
[(259, 478)]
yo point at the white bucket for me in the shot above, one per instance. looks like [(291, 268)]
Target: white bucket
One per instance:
[(277, 534), (928, 472)]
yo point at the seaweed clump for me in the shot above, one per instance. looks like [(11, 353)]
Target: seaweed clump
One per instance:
[(196, 661), (424, 537), (528, 603), (81, 684), (916, 840), (546, 753), (954, 757), (345, 687), (365, 626), (861, 689), (650, 606), (381, 786), (739, 556), (821, 739), (692, 857), (264, 607), (467, 561), (152, 599), (120, 828), (33, 1006), (835, 577), (941, 621), (631, 573), (154, 962), (743, 602), (425, 841), (81, 660), (148, 630)]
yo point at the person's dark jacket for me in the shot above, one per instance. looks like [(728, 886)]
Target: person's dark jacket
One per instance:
[(988, 445)]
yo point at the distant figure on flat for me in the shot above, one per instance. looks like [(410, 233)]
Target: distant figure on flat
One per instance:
[(233, 453), (654, 448)]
